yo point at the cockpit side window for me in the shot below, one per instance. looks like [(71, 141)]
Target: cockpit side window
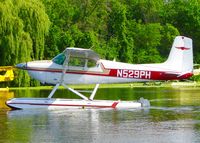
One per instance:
[(78, 62), (73, 62), (59, 59)]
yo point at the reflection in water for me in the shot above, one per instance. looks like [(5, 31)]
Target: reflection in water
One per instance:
[(173, 117), (72, 125), (98, 126)]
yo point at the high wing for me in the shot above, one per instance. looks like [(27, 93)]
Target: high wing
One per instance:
[(81, 53)]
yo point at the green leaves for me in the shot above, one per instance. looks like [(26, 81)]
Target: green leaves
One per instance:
[(136, 31), (23, 25)]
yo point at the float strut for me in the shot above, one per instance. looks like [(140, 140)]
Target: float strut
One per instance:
[(94, 92), (54, 90), (76, 92)]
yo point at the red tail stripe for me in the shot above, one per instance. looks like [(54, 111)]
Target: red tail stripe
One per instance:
[(182, 48)]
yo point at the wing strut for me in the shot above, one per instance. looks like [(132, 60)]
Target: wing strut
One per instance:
[(65, 67)]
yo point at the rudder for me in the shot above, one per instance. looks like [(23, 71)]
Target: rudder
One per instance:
[(181, 55)]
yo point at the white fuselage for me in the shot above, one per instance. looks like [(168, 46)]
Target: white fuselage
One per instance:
[(83, 66), (104, 72)]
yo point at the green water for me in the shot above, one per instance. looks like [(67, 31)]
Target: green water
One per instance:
[(174, 117)]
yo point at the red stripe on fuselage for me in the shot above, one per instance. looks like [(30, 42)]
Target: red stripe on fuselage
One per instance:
[(148, 75), (124, 73)]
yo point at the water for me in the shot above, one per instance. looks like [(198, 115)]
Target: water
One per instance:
[(174, 117)]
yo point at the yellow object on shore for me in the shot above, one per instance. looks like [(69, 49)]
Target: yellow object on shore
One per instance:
[(4, 89), (196, 71), (8, 75)]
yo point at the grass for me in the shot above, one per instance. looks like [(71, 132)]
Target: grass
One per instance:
[(84, 86)]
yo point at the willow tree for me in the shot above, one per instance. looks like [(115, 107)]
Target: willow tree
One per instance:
[(23, 25)]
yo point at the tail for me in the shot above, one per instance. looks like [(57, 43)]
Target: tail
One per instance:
[(181, 55)]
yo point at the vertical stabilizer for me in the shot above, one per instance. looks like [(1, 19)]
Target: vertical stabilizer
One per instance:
[(181, 55)]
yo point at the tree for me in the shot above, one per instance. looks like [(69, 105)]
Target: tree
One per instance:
[(185, 16), (168, 32), (117, 28), (75, 23), (147, 40), (146, 11), (23, 25)]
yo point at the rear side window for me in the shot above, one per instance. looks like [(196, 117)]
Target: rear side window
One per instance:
[(91, 63)]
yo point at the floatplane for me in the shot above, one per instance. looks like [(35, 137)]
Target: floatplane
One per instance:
[(83, 66)]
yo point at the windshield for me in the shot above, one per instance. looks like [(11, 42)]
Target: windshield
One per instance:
[(59, 59)]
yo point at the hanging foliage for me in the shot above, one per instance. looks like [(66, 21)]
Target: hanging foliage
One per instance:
[(23, 26)]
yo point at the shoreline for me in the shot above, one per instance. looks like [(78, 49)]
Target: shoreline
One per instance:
[(124, 85)]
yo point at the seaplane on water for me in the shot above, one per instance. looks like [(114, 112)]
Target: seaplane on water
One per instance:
[(83, 66)]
